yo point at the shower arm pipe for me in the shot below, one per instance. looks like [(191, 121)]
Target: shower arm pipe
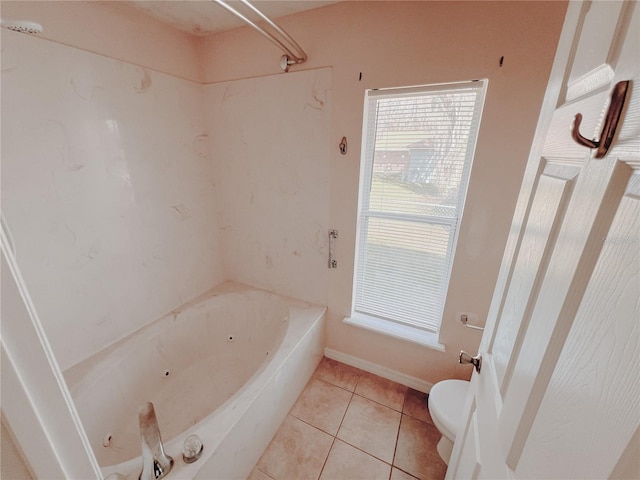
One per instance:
[(289, 57)]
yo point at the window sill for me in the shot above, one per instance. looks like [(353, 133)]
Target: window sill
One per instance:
[(403, 332)]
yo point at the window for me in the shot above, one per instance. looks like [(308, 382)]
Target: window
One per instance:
[(418, 147)]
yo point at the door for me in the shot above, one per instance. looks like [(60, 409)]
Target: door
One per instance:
[(35, 400), (558, 392)]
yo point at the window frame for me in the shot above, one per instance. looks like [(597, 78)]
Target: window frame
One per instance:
[(424, 335)]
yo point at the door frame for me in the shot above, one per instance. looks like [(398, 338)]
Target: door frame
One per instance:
[(36, 402)]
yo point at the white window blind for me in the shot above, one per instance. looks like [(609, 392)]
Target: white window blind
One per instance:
[(418, 147)]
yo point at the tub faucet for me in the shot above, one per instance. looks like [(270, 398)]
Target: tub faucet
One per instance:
[(155, 463)]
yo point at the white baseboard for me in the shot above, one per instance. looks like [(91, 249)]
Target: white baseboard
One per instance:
[(384, 372)]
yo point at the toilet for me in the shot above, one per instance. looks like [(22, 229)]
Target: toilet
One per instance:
[(446, 401)]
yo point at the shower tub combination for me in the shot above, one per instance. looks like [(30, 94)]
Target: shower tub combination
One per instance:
[(226, 366)]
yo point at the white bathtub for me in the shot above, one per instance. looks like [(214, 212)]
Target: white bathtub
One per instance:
[(226, 366)]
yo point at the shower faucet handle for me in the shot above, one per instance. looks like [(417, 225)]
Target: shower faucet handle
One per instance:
[(476, 361)]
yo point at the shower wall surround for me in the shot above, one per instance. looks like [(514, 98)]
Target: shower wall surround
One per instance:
[(107, 187), (129, 191), (269, 139)]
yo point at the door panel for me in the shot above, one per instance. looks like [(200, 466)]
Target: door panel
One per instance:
[(595, 60), (470, 466), (549, 204), (598, 191), (596, 377), (558, 395)]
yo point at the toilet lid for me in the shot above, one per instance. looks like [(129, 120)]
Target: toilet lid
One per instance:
[(446, 401)]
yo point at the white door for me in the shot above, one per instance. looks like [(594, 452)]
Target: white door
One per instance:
[(558, 394)]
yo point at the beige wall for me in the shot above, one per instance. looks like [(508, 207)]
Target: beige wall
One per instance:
[(113, 30), (391, 44), (412, 43)]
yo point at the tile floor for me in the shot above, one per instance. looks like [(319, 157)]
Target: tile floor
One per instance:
[(349, 424)]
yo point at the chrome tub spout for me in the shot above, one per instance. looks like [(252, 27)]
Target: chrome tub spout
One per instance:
[(155, 463)]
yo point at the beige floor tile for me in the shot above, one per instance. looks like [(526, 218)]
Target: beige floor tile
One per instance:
[(371, 427), (322, 405), (258, 475), (297, 451), (416, 450), (381, 390), (348, 463), (336, 373), (416, 405), (399, 475)]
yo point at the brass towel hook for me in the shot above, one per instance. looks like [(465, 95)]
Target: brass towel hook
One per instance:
[(618, 96)]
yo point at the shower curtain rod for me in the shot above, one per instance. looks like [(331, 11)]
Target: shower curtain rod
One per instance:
[(293, 53)]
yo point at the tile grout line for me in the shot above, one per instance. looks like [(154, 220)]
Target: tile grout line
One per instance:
[(364, 373), (353, 393), (328, 383), (335, 437), (378, 403), (343, 415), (310, 424), (414, 416), (408, 473), (353, 446), (395, 448), (363, 451), (360, 376), (416, 419), (265, 473), (412, 475), (333, 442)]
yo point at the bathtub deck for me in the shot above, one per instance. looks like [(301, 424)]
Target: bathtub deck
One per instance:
[(349, 424)]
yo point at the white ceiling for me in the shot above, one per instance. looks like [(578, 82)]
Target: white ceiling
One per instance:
[(202, 17)]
